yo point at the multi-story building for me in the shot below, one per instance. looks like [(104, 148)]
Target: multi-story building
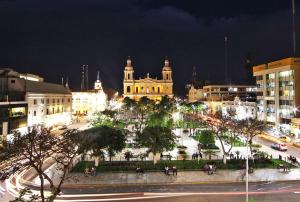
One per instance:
[(89, 102), (229, 92), (42, 102), (13, 105), (278, 91), (195, 94), (48, 104), (152, 88)]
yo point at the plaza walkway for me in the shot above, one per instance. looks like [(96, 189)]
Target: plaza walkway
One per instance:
[(183, 177)]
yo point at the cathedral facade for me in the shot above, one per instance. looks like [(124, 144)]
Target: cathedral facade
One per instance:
[(152, 88)]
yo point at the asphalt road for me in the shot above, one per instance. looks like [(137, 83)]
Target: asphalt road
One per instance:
[(292, 150), (268, 191)]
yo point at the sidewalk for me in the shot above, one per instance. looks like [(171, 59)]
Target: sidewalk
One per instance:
[(184, 177)]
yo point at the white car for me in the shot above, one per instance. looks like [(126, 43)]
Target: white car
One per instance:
[(279, 146)]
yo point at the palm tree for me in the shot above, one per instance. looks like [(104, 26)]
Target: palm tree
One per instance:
[(210, 153)]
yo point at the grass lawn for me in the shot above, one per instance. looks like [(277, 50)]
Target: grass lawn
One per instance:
[(234, 164)]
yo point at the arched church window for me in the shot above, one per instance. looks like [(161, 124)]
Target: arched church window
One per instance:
[(128, 76), (128, 89)]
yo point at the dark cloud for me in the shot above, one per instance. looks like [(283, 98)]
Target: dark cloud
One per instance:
[(53, 38)]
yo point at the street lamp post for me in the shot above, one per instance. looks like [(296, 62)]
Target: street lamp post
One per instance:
[(247, 171)]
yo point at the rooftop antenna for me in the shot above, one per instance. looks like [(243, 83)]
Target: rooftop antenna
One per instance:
[(67, 82), (87, 77), (82, 87), (294, 27), (226, 58)]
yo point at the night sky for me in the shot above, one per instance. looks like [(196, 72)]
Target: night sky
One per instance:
[(53, 38)]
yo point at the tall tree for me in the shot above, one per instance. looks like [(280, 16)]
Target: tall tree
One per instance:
[(106, 139), (157, 139), (39, 148)]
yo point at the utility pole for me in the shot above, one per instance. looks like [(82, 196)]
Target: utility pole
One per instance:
[(226, 59), (294, 27)]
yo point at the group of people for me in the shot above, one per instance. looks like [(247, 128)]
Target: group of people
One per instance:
[(195, 156), (172, 169), (90, 171), (139, 170), (293, 159)]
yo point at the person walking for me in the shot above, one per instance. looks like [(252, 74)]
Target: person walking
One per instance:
[(174, 169)]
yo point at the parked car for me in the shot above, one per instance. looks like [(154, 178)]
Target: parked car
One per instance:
[(285, 138), (279, 146), (63, 127)]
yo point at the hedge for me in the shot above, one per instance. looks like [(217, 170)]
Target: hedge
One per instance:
[(232, 164)]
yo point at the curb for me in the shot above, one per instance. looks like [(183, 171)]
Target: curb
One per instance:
[(70, 186)]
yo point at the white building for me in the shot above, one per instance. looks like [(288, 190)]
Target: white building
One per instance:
[(242, 109), (48, 104), (89, 102)]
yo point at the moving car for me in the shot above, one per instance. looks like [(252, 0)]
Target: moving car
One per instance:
[(285, 139), (279, 146)]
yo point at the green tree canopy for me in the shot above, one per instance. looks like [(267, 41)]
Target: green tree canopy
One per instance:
[(161, 119), (106, 138), (157, 139), (206, 138)]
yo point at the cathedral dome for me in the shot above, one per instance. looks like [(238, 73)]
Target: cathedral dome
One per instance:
[(167, 66), (128, 65)]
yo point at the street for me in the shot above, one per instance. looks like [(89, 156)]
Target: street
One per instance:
[(267, 191)]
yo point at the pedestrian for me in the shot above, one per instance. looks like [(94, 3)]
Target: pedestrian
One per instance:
[(174, 169), (200, 155), (167, 170), (86, 172)]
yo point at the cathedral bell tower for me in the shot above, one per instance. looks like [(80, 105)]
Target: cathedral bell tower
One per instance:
[(128, 78), (167, 71), (128, 72)]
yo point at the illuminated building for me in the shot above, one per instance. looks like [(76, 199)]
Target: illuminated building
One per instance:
[(152, 88), (278, 91), (49, 104), (243, 110), (195, 94), (13, 106), (89, 102), (229, 92), (195, 89)]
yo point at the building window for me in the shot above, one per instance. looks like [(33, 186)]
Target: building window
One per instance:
[(62, 100), (158, 89), (34, 113), (47, 112), (128, 76), (53, 111), (34, 101), (68, 99), (47, 101), (136, 89), (167, 76), (153, 89), (42, 101), (12, 81), (128, 89), (57, 100), (53, 101)]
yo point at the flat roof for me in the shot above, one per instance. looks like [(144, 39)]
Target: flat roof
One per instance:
[(278, 63)]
